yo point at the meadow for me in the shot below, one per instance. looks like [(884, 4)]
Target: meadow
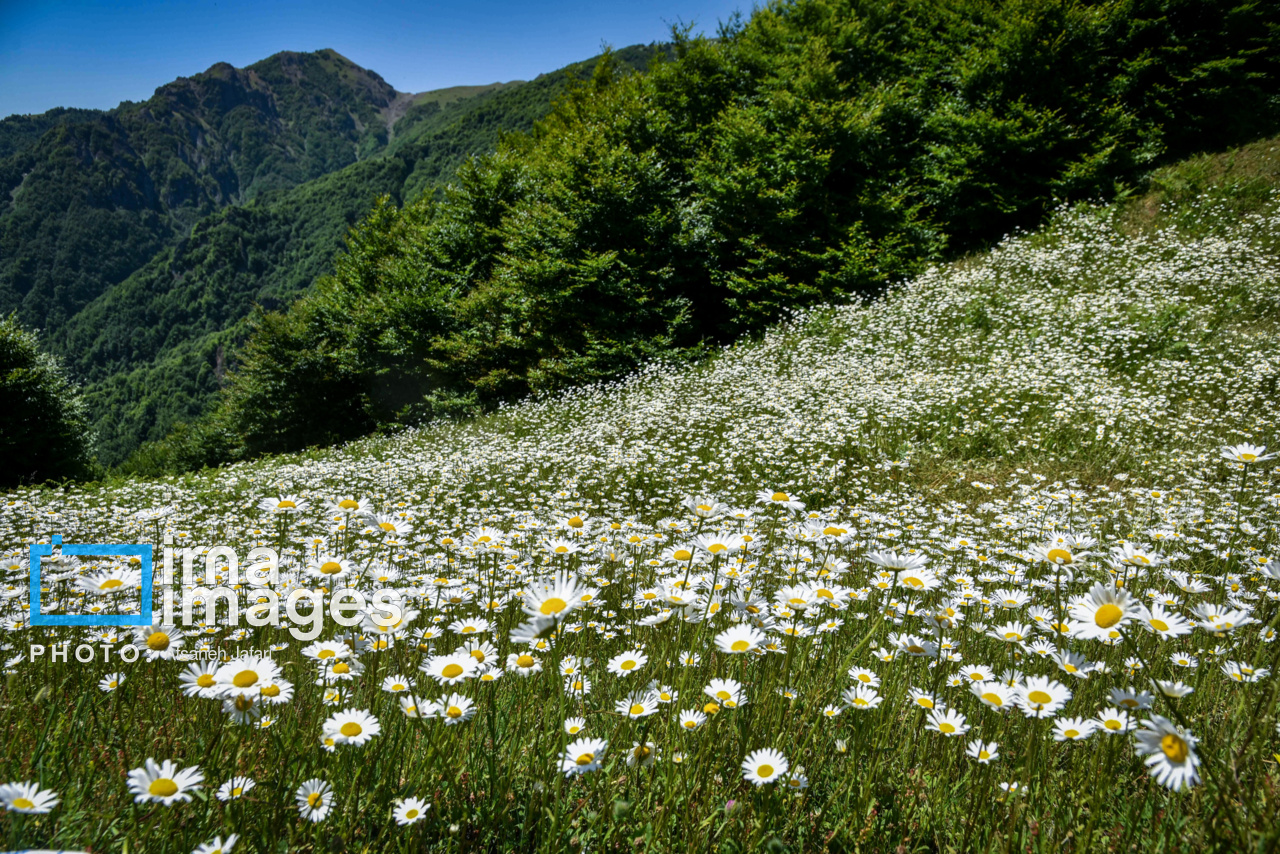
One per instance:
[(987, 564)]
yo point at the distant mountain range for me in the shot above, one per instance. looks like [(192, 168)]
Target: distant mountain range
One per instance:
[(138, 239)]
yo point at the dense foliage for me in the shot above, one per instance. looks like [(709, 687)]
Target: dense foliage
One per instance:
[(814, 153), (45, 434)]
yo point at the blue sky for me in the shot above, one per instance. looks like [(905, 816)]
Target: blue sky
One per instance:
[(96, 54)]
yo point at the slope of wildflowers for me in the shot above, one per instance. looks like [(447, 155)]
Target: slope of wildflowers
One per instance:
[(988, 564)]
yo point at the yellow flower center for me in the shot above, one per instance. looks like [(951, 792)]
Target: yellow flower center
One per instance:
[(163, 788), (245, 679), (575, 522), (286, 505), (341, 667), (946, 727), (982, 754), (586, 759), (627, 665), (411, 814), (451, 671), (739, 646), (1108, 615), (1175, 748), (1040, 698), (553, 605), (111, 584), (711, 708), (331, 567), (204, 680), (454, 712), (1159, 625), (1059, 556), (767, 770), (159, 641), (637, 708), (237, 791), (779, 496), (314, 799), (22, 804), (348, 504), (326, 653), (351, 729), (993, 698), (926, 702), (387, 526)]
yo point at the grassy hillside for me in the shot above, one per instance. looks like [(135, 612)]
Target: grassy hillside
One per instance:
[(913, 513), (817, 152), (152, 350)]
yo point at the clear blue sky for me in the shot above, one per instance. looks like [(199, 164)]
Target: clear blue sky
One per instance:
[(61, 53)]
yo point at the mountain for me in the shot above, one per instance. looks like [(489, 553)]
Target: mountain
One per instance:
[(140, 268), (98, 194)]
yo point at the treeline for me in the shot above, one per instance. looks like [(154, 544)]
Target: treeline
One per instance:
[(816, 152)]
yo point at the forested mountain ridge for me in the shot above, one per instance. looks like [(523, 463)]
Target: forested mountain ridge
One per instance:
[(97, 194), (152, 349)]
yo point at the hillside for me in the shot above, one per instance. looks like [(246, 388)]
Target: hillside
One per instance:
[(825, 590), (151, 350), (818, 152)]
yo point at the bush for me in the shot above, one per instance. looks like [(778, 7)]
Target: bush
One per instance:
[(46, 432)]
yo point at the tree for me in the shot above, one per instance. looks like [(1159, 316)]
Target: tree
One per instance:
[(45, 432)]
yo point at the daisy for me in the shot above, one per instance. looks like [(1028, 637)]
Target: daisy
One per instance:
[(573, 726), (726, 692), (524, 664), (1246, 453), (1103, 612), (764, 766), (862, 697), (1073, 729), (1042, 697), (627, 662), (164, 783), (1164, 623), (984, 752), (866, 677), (692, 719), (582, 756), (236, 787), (739, 639), (410, 810), (553, 598), (778, 499), (27, 798), (450, 669), (217, 846), (244, 677), (947, 722), (995, 695), (1169, 752), (397, 684), (642, 754), (284, 504), (111, 681), (314, 799), (455, 709), (1112, 721), (327, 650), (639, 704), (157, 641), (111, 582), (352, 726)]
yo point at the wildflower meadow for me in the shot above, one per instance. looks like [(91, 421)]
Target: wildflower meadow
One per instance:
[(987, 564)]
